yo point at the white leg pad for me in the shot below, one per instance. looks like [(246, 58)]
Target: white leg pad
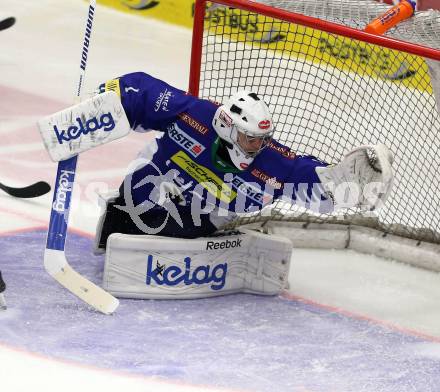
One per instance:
[(153, 267)]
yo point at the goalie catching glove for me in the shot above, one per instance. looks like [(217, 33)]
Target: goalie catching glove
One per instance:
[(362, 179)]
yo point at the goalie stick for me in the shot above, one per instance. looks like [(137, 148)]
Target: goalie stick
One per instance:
[(6, 23), (55, 260), (35, 190)]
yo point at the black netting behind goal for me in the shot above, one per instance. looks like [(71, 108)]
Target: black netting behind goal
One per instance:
[(329, 94)]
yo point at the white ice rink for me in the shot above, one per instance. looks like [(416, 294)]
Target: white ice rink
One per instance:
[(39, 59)]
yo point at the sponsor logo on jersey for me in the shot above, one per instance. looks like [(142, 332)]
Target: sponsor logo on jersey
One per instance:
[(113, 85), (91, 125), (209, 180), (163, 100), (185, 141), (225, 119), (272, 181), (63, 187), (284, 151), (252, 192), (265, 124), (200, 128), (213, 245), (174, 275)]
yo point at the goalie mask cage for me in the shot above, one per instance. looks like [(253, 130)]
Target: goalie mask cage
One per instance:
[(331, 87)]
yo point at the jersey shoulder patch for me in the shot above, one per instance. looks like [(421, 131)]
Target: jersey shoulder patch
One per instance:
[(113, 85), (282, 150), (273, 164), (266, 178), (199, 116), (196, 125)]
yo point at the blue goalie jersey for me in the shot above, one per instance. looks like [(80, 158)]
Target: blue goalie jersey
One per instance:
[(184, 188)]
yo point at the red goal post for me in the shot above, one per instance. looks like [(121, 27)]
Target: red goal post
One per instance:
[(332, 87)]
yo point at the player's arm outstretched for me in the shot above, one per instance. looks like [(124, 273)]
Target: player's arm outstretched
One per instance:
[(362, 179)]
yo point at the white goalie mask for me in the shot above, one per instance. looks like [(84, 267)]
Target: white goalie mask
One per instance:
[(245, 123)]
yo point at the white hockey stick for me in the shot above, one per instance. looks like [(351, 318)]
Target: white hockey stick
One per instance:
[(55, 260)]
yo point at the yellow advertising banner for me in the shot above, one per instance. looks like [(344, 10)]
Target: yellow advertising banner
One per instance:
[(178, 12), (314, 45), (320, 47)]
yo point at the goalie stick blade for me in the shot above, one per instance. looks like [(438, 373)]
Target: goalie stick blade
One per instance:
[(86, 290), (6, 23), (56, 265), (35, 190)]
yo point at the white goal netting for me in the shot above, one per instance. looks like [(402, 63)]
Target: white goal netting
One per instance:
[(329, 93)]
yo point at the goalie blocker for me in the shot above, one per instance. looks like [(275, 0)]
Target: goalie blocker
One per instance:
[(96, 121), (154, 267)]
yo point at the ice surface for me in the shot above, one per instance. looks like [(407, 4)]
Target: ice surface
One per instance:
[(237, 342)]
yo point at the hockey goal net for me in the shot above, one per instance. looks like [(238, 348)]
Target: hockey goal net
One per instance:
[(332, 87)]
